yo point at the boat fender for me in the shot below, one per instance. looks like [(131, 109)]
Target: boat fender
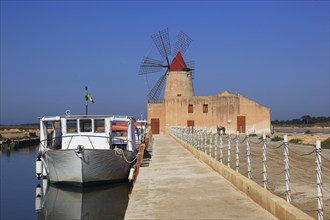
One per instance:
[(44, 186), (39, 167), (131, 174), (44, 172), (38, 199)]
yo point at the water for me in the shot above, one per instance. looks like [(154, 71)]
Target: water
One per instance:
[(18, 193)]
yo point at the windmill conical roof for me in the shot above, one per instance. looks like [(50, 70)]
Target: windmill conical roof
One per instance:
[(178, 63)]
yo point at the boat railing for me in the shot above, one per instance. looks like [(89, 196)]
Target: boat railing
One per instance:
[(55, 143)]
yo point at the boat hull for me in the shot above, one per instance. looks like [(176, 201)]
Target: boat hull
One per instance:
[(88, 166), (96, 202)]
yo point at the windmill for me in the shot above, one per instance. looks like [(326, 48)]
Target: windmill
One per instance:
[(150, 65)]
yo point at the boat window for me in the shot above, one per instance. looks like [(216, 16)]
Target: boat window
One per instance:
[(99, 125), (71, 126), (85, 125)]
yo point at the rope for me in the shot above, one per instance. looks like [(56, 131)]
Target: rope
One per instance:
[(120, 152), (325, 158), (277, 174), (276, 147), (326, 190), (256, 142), (243, 140), (298, 178), (301, 207)]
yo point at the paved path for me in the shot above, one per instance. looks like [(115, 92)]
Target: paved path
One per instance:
[(176, 185)]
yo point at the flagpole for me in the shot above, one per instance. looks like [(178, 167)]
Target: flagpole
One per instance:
[(86, 97)]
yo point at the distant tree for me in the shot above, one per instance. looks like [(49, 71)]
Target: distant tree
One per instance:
[(306, 119)]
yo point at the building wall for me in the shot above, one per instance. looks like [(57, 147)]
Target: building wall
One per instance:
[(178, 83), (223, 110), (220, 110), (157, 110), (258, 117)]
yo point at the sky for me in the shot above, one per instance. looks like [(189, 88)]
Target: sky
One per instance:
[(273, 52)]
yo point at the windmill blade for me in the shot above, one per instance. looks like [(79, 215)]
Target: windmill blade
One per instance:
[(163, 44), (182, 43), (149, 65), (191, 67), (156, 91)]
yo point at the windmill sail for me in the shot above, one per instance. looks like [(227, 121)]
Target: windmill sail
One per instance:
[(149, 65)]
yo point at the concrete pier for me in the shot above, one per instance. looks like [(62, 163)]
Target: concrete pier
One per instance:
[(176, 185)]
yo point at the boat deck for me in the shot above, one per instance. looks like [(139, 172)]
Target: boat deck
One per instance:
[(175, 185)]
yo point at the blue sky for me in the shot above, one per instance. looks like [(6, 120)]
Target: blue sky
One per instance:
[(273, 52)]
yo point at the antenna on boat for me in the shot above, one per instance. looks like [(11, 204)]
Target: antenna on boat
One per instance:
[(86, 97)]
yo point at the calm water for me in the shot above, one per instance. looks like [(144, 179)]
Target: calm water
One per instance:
[(18, 189)]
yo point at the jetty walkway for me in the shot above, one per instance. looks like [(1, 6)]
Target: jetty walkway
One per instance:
[(176, 185)]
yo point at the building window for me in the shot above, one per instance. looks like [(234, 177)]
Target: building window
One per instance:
[(190, 108), (205, 108)]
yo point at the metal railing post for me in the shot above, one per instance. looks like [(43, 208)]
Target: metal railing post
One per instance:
[(228, 159), (248, 153), (205, 141), (216, 146), (210, 153), (221, 142), (286, 169), (237, 151), (198, 138), (264, 160), (319, 181)]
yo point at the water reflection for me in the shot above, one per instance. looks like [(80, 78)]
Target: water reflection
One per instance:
[(96, 202)]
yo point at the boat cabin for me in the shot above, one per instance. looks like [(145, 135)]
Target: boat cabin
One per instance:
[(89, 132)]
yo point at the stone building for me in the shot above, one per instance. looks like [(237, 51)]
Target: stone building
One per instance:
[(180, 107)]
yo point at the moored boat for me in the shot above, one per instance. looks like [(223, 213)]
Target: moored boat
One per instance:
[(82, 150)]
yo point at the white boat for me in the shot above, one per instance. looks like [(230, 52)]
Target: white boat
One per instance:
[(95, 202), (81, 150)]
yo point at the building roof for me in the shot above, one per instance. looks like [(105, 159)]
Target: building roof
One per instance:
[(226, 93)]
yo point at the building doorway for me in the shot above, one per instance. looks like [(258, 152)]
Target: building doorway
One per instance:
[(191, 123), (155, 125), (241, 124)]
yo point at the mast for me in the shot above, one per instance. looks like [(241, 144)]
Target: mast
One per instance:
[(86, 97)]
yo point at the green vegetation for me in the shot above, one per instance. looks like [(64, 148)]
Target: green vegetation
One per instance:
[(308, 132), (305, 120), (276, 138), (267, 136), (295, 141), (253, 135), (326, 143)]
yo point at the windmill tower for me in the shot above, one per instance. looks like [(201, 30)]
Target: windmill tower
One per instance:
[(178, 75)]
